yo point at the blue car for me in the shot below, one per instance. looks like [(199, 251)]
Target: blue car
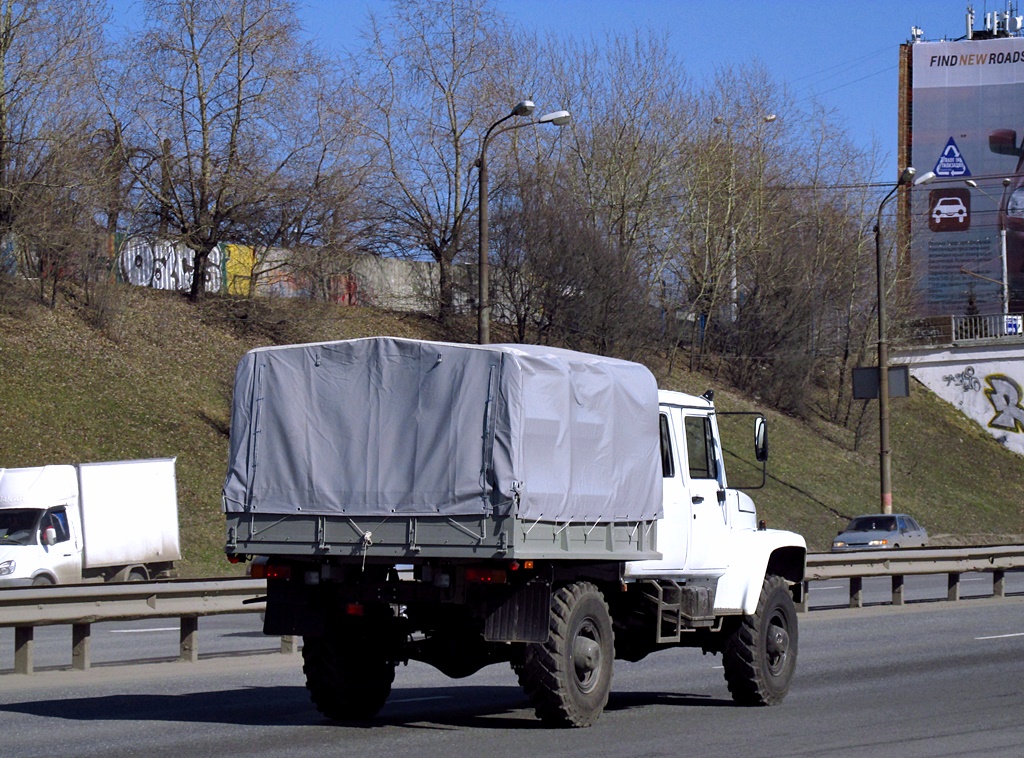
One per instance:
[(880, 531)]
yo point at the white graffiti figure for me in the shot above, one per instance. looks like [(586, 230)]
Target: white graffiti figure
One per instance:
[(1005, 395)]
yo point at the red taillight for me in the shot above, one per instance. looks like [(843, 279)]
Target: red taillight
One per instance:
[(486, 576), (355, 609), (276, 571)]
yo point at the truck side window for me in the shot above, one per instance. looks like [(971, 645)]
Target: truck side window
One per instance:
[(699, 448), (668, 466), (58, 519)]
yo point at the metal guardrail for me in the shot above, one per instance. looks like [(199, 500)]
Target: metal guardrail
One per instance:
[(83, 605), (898, 564)]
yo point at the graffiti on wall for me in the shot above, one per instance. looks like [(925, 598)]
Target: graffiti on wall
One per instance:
[(165, 265), (1005, 395), (965, 380)]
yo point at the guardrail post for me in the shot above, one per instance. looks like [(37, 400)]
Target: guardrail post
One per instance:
[(856, 592), (189, 639), (81, 641), (24, 649), (897, 589), (999, 583), (953, 584), (289, 645)]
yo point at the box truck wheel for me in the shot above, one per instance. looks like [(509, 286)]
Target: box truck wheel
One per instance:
[(348, 672), (760, 654), (568, 678)]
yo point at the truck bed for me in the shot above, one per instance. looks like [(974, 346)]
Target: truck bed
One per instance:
[(407, 540)]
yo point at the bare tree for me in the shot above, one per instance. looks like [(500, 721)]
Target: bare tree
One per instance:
[(632, 113), (430, 79), (47, 118), (207, 104)]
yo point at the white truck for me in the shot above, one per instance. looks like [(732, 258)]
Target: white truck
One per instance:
[(90, 522), (467, 505)]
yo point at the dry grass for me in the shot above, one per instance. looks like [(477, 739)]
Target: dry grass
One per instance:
[(153, 378)]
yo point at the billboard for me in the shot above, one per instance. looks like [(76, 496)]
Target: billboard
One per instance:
[(967, 124)]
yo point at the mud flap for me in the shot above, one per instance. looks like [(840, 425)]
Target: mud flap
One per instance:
[(521, 615)]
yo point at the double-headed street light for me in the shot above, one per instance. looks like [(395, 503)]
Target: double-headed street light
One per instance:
[(525, 108), (884, 449)]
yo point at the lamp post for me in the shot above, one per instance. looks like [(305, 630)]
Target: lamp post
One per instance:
[(1002, 243), (524, 108), (884, 449)]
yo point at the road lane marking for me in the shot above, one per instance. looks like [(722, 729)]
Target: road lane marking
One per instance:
[(1001, 636), (422, 699)]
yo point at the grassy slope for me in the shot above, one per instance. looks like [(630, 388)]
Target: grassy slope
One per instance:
[(70, 393)]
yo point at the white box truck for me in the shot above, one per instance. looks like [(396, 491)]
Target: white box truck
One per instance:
[(464, 505), (90, 522)]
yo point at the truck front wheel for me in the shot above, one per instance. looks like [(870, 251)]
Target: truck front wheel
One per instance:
[(348, 672), (760, 654), (568, 678)]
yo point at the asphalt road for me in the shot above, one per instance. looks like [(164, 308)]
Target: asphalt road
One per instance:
[(931, 679)]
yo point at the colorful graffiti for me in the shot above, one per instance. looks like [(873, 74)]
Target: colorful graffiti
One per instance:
[(1005, 395)]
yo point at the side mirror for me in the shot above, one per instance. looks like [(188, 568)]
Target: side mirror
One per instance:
[(761, 439), (1003, 142), (49, 536)]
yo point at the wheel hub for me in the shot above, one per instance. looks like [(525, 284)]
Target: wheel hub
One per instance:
[(777, 647), (586, 659)]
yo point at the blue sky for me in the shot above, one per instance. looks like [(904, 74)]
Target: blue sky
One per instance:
[(844, 52)]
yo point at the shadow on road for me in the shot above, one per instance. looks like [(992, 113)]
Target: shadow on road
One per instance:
[(416, 708)]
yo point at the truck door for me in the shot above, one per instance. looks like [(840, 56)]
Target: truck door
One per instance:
[(706, 493), (674, 526), (64, 556)]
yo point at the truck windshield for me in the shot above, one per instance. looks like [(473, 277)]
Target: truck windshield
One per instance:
[(18, 526)]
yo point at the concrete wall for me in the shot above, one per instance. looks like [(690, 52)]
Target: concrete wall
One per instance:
[(983, 381)]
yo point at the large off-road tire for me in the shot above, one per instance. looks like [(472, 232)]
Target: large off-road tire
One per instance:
[(760, 654), (348, 673), (568, 678)]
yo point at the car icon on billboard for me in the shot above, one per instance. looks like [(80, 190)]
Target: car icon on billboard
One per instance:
[(949, 208)]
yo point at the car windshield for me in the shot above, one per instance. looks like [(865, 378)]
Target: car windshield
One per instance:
[(18, 526), (872, 524)]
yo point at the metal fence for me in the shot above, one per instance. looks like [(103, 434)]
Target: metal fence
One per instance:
[(966, 328), (80, 606)]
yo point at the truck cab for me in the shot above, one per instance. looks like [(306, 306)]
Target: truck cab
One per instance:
[(40, 533), (709, 531)]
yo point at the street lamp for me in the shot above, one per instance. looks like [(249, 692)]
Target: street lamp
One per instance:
[(1002, 241), (524, 108), (884, 450)]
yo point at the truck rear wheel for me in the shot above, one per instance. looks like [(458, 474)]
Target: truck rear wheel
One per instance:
[(760, 654), (348, 673), (568, 678)]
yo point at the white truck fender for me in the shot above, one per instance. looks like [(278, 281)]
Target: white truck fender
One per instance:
[(755, 553)]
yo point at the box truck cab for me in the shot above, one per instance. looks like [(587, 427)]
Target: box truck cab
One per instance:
[(65, 524)]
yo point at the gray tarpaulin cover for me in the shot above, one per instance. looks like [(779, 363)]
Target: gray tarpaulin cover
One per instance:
[(386, 426)]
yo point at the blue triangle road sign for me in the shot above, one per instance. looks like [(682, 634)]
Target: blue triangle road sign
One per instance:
[(951, 162)]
